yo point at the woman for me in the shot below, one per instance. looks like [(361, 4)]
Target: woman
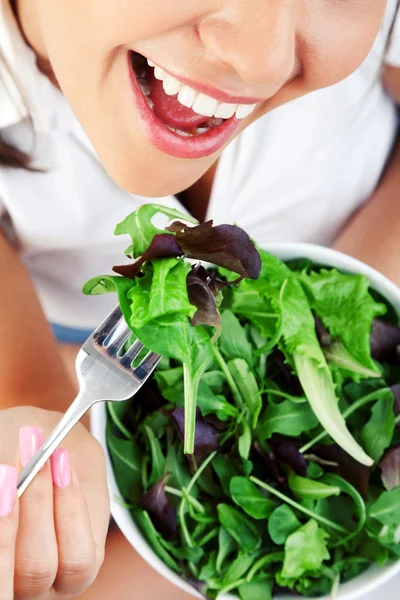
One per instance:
[(104, 105)]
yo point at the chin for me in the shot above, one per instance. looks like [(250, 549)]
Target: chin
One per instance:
[(151, 178)]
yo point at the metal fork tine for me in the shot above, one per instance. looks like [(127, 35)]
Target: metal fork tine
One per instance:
[(106, 327), (127, 359), (120, 337), (147, 366)]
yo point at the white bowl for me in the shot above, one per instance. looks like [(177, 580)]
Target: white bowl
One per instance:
[(358, 587)]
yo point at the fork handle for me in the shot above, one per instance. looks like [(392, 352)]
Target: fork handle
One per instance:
[(75, 412)]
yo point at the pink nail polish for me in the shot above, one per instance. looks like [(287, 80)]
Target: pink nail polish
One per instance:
[(8, 489), (30, 440), (60, 467)]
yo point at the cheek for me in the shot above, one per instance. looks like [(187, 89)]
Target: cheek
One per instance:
[(338, 38)]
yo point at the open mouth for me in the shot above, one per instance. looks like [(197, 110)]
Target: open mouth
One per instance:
[(173, 114)]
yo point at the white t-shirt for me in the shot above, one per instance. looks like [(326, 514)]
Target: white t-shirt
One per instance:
[(296, 174)]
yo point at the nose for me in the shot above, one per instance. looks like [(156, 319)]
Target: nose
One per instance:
[(255, 37)]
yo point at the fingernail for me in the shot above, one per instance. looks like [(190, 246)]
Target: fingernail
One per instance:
[(30, 440), (8, 489), (60, 467)]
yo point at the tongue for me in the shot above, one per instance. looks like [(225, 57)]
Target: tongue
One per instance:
[(170, 111)]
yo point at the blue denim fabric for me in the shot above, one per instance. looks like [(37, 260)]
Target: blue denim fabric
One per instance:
[(68, 335)]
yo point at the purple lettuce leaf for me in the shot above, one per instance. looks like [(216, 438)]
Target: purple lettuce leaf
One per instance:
[(163, 516), (287, 450), (163, 245), (348, 468), (206, 437), (390, 468), (396, 393), (323, 335), (385, 339), (227, 246), (201, 295), (271, 464)]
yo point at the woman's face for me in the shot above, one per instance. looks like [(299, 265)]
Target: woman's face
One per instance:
[(237, 52)]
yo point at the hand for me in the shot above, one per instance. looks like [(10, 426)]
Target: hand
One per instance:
[(51, 540)]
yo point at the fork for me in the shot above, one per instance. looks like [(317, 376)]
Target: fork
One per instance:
[(105, 373)]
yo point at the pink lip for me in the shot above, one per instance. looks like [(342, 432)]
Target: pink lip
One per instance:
[(172, 143)]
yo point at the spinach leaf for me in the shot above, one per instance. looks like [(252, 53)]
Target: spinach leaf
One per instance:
[(250, 499), (239, 527), (378, 432), (225, 470), (386, 509), (286, 418), (256, 590), (238, 568), (247, 384), (233, 339), (282, 523), (309, 489), (305, 550)]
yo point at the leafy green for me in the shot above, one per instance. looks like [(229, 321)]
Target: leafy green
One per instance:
[(282, 523), (250, 499), (305, 550), (386, 509), (345, 306), (256, 590), (309, 489), (247, 384), (241, 528), (233, 340), (286, 418), (378, 432)]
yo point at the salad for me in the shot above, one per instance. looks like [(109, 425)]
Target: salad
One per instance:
[(264, 453)]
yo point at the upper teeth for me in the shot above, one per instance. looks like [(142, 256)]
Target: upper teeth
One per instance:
[(200, 103)]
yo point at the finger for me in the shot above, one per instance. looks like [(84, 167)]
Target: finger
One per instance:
[(8, 529), (36, 559), (77, 565), (90, 464)]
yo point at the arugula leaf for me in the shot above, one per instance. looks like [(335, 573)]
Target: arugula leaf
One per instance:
[(378, 432), (239, 527), (157, 457), (126, 460), (386, 509), (245, 440), (250, 499), (344, 304), (233, 341), (153, 537), (286, 418), (139, 226), (305, 550), (248, 387), (282, 523), (226, 545)]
